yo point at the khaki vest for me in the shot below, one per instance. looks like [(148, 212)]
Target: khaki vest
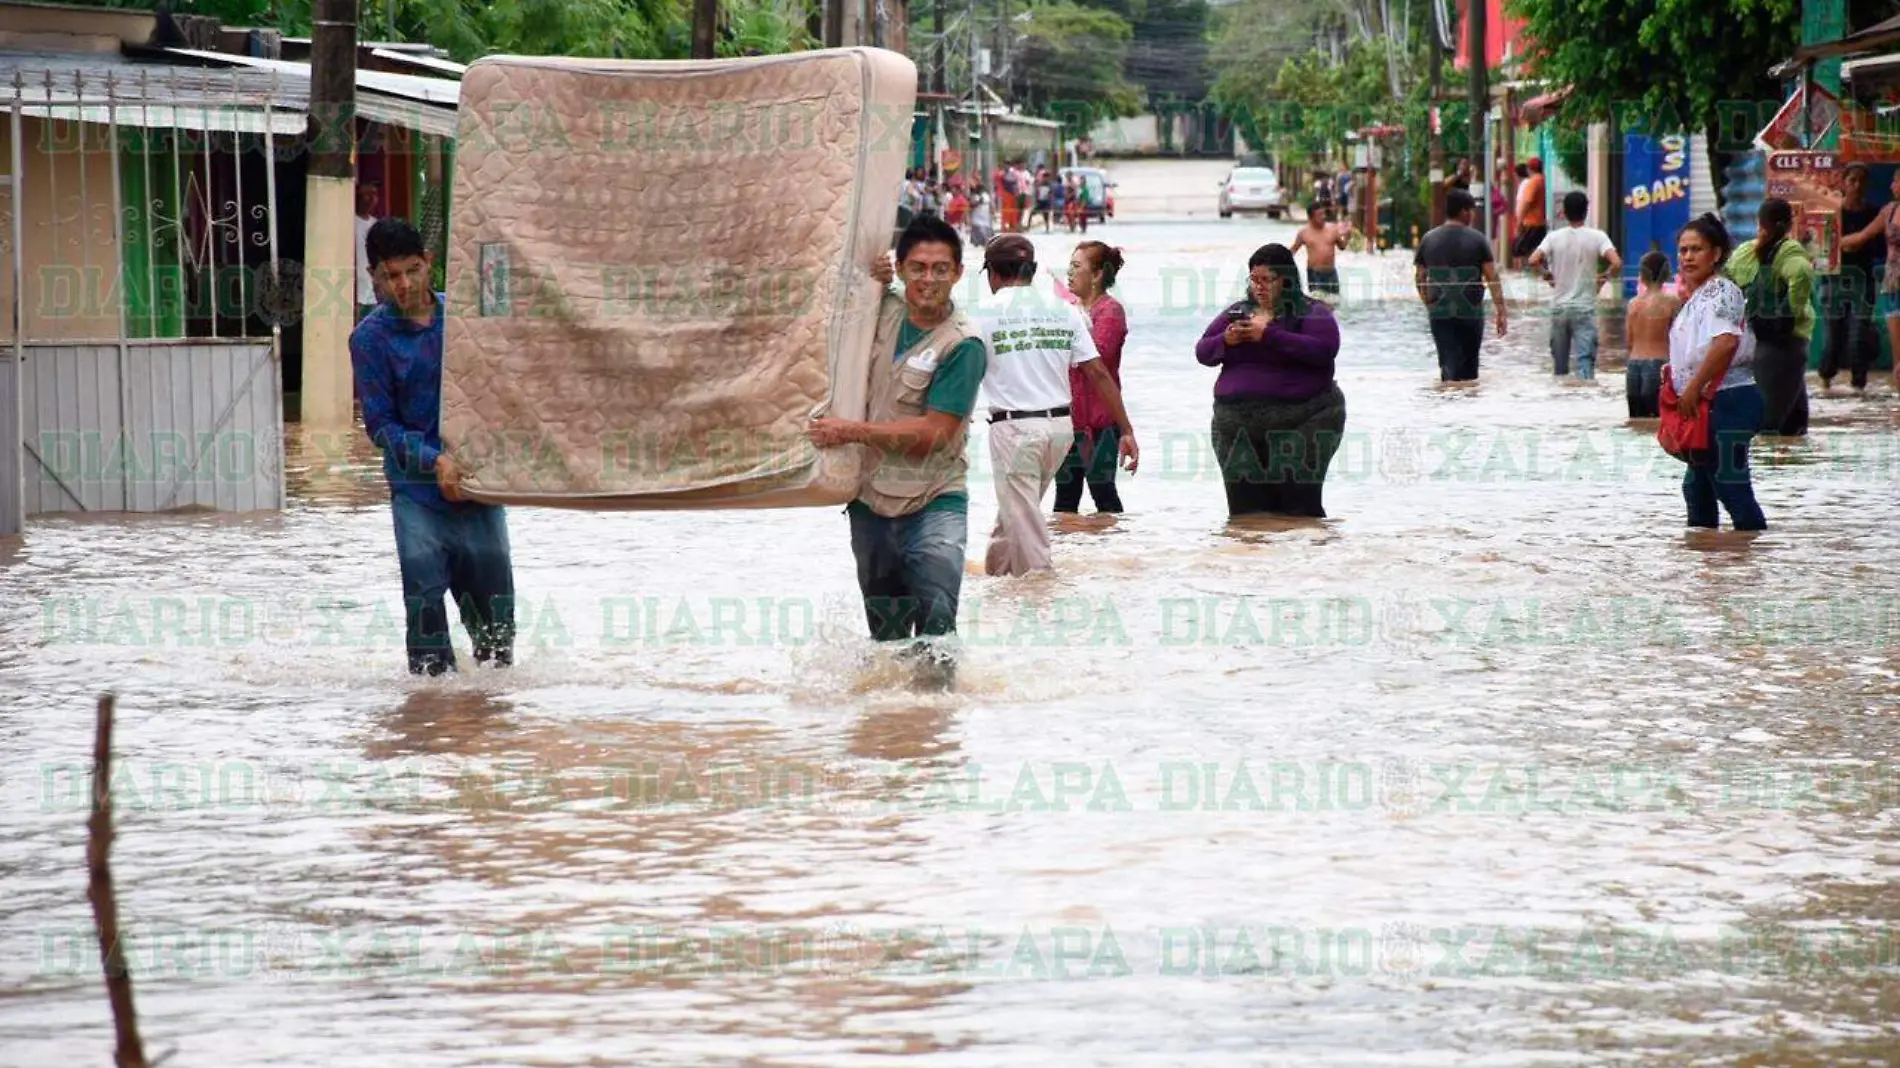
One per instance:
[(896, 484)]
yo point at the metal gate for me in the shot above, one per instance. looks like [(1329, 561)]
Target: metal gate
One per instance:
[(157, 426)]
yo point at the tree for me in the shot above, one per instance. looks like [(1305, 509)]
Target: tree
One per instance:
[(1069, 63), (1664, 66)]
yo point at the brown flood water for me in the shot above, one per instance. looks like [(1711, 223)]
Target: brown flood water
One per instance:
[(1498, 765)]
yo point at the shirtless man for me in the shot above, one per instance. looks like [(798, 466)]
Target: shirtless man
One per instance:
[(1321, 240), (1647, 327)]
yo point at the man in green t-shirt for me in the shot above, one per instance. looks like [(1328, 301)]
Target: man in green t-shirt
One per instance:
[(909, 525)]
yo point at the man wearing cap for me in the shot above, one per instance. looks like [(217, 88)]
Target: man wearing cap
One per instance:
[(1032, 338)]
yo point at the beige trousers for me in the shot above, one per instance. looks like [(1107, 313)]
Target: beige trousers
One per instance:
[(1026, 455)]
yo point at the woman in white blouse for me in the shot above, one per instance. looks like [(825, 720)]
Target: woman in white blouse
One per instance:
[(1711, 354)]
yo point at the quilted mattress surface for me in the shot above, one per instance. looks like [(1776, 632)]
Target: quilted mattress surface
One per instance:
[(657, 275)]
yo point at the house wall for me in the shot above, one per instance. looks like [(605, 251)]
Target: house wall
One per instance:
[(67, 204), (1141, 133)]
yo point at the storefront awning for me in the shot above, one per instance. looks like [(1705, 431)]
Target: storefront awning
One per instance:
[(1881, 35)]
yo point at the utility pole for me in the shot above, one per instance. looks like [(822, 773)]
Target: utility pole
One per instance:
[(329, 290), (943, 47), (705, 21), (1436, 163), (1480, 89), (980, 171), (834, 23)]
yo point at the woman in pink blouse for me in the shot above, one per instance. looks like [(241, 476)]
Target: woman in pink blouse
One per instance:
[(1092, 271)]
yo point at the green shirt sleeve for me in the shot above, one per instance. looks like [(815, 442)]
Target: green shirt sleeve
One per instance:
[(1798, 271), (953, 388)]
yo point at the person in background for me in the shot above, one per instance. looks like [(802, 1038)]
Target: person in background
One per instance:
[(1044, 199), (956, 210), (1079, 197), (1034, 341), (1006, 200), (1058, 205), (1451, 268), (367, 195), (1780, 315), (1647, 327), (981, 226), (1887, 224), (1025, 195), (445, 543), (1530, 210), (1580, 259), (1092, 460), (1711, 354), (1321, 240), (1852, 294), (1278, 413), (1501, 200), (910, 521)]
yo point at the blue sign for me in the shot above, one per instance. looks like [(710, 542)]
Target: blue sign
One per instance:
[(1655, 200)]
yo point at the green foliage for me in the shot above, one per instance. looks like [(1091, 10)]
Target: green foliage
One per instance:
[(469, 29), (1664, 66), (1251, 40), (1069, 63), (1316, 102)]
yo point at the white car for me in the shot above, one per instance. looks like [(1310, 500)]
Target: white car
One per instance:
[(1252, 189)]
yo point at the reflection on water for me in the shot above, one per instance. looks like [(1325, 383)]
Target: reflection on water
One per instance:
[(1495, 764)]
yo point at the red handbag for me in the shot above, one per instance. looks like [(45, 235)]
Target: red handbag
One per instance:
[(1681, 437)]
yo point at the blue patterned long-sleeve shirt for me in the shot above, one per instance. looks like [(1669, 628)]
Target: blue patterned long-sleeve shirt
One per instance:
[(398, 368)]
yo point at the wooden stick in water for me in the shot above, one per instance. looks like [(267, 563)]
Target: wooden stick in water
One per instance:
[(105, 908)]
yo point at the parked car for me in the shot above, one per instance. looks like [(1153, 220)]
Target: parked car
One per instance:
[(1098, 188), (1246, 190)]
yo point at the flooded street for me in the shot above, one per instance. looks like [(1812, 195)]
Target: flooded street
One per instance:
[(1497, 765)]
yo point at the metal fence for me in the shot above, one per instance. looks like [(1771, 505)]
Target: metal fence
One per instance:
[(146, 291)]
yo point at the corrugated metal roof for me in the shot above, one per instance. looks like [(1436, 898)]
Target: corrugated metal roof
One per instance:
[(409, 86), (234, 95)]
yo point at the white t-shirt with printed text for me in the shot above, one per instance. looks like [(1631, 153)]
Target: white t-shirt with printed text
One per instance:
[(1032, 338)]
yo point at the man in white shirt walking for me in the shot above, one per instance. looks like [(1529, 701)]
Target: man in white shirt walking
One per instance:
[(1033, 337), (1575, 256)]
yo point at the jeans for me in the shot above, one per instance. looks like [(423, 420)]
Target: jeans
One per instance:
[(1103, 452), (910, 571), (1642, 383), (1850, 340), (1457, 339), (1573, 329), (1721, 474), (1781, 373), (462, 552)]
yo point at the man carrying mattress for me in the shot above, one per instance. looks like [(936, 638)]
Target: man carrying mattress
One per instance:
[(910, 523), (445, 543), (1033, 338)]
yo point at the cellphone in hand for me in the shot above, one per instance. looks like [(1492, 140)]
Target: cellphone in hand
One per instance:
[(1238, 315)]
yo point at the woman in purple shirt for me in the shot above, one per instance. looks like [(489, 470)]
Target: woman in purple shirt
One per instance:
[(1278, 415)]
